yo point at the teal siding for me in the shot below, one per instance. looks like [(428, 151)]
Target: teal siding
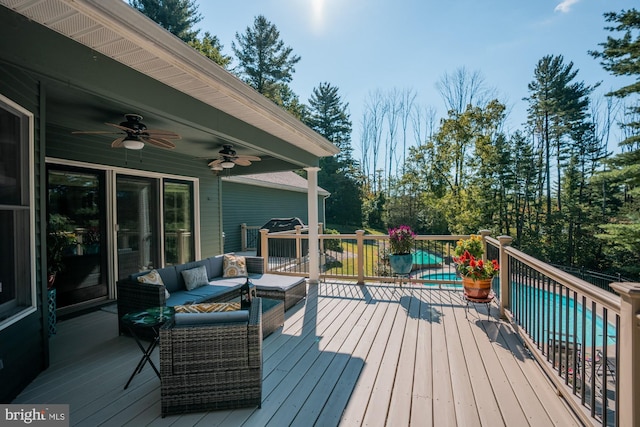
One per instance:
[(97, 149), (252, 205), (23, 345)]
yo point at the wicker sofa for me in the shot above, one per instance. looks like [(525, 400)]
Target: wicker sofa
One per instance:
[(211, 361), (134, 296)]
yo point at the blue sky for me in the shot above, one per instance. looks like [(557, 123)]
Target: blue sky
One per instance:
[(365, 45)]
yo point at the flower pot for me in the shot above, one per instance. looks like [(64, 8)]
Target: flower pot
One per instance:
[(401, 264), (477, 288)]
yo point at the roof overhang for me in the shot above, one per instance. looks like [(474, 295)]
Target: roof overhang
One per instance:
[(108, 59)]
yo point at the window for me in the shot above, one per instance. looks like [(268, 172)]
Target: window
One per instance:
[(17, 268), (178, 222)]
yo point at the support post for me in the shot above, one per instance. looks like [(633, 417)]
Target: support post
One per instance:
[(484, 234), (264, 248), (629, 347), (298, 243), (505, 295), (360, 257), (312, 207)]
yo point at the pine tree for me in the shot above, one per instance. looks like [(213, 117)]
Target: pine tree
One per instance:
[(621, 57), (556, 104), (264, 61), (329, 116), (176, 16), (211, 47)]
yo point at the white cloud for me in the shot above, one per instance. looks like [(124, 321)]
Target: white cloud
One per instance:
[(565, 6)]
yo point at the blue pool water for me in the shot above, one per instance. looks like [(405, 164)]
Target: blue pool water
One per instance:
[(426, 258), (442, 276), (548, 299)]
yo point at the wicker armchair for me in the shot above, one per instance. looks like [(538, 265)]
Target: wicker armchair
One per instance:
[(209, 365)]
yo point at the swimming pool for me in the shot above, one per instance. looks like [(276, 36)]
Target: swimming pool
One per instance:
[(442, 276), (424, 258), (539, 300)]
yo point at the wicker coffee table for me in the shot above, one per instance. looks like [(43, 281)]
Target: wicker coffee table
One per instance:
[(272, 315)]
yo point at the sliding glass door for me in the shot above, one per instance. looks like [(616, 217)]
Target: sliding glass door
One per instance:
[(76, 203), (137, 224)]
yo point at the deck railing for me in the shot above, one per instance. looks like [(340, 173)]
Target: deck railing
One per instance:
[(586, 339), (361, 257)]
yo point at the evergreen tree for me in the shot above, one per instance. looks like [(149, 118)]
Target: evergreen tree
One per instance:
[(179, 17), (556, 104), (211, 47), (176, 16), (329, 116), (264, 61), (621, 56)]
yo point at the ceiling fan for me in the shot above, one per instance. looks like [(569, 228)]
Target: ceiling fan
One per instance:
[(228, 158), (136, 135)]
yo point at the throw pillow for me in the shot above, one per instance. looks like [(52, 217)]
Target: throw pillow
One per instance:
[(195, 277), (234, 266), (153, 278)]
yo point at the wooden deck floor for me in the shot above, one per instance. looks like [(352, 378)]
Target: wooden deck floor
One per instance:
[(350, 355)]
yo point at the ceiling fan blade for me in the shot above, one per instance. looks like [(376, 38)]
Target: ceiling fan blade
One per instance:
[(118, 143), (159, 142), (250, 158), (124, 128), (164, 134), (242, 162), (95, 132), (214, 163)]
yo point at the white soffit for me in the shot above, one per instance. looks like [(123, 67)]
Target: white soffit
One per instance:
[(120, 32)]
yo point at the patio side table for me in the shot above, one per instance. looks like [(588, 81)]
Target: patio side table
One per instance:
[(147, 320)]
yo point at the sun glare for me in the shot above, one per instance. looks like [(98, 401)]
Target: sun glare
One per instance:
[(317, 14)]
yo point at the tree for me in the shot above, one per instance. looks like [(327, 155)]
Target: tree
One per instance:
[(463, 88), (176, 16), (556, 106), (264, 62), (621, 57), (329, 116), (211, 47)]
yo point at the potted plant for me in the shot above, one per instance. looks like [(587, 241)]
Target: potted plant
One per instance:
[(401, 240), (60, 240), (475, 272)]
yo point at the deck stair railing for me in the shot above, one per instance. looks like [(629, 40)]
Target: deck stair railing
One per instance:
[(585, 338)]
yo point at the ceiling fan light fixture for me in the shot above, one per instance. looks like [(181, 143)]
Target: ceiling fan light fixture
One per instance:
[(132, 143), (216, 168), (227, 164)]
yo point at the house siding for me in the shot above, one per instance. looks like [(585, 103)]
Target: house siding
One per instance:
[(255, 206), (23, 345), (98, 150)]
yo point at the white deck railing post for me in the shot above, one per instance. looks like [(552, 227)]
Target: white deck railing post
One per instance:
[(505, 295), (483, 234), (264, 248), (629, 346), (298, 243), (360, 257)]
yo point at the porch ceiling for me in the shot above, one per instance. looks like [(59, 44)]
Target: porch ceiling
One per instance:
[(100, 59)]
